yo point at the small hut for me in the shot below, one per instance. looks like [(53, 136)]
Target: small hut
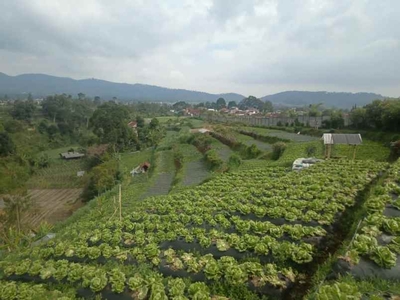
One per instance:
[(71, 155), (140, 169), (336, 138)]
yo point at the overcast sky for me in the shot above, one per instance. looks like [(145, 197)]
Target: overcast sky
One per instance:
[(246, 46)]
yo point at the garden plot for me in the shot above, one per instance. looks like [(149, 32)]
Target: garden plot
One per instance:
[(164, 175), (51, 205), (375, 249), (224, 151), (248, 141), (194, 167), (282, 134), (60, 174), (195, 173), (241, 235)]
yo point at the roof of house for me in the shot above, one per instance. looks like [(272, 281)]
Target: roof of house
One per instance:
[(132, 124), (339, 138), (71, 155)]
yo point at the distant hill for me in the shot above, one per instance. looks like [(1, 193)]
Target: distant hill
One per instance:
[(40, 85), (328, 99)]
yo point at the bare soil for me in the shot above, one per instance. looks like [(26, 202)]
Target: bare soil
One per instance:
[(51, 205)]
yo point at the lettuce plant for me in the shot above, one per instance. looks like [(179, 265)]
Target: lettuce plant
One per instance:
[(212, 270), (235, 275), (22, 267), (99, 281), (176, 287), (199, 291), (117, 279), (75, 272), (392, 225), (8, 291), (222, 245), (383, 257), (339, 291)]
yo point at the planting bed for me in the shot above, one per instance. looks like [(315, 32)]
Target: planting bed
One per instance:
[(281, 134), (60, 174), (51, 205), (195, 172), (375, 248), (242, 235)]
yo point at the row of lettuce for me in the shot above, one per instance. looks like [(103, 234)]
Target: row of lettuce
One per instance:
[(373, 254)]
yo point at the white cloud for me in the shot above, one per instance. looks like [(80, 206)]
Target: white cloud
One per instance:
[(246, 46)]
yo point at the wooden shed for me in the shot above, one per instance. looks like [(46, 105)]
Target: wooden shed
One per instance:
[(339, 138)]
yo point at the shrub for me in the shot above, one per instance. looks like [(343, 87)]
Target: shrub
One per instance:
[(277, 150), (311, 150), (213, 160), (43, 161), (252, 152), (178, 157), (234, 161), (395, 150), (202, 142), (7, 146)]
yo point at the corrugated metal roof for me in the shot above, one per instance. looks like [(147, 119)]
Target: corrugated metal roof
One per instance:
[(339, 138), (67, 155)]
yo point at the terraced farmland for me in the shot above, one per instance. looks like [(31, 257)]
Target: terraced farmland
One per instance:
[(242, 235), (51, 205)]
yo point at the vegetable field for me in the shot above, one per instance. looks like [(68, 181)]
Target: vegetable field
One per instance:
[(282, 134), (243, 235), (60, 174), (369, 266), (51, 205)]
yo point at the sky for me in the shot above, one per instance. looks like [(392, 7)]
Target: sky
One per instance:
[(252, 47)]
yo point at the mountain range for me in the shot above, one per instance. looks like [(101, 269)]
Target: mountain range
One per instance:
[(41, 85)]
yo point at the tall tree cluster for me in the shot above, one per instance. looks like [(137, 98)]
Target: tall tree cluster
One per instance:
[(380, 114)]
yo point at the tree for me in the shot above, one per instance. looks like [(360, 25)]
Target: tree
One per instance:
[(251, 102), (391, 115), (154, 123), (97, 100), (336, 119), (221, 103), (232, 104), (358, 117), (313, 110), (81, 96), (268, 107), (374, 113), (110, 123), (139, 122), (180, 105), (7, 146), (23, 110)]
